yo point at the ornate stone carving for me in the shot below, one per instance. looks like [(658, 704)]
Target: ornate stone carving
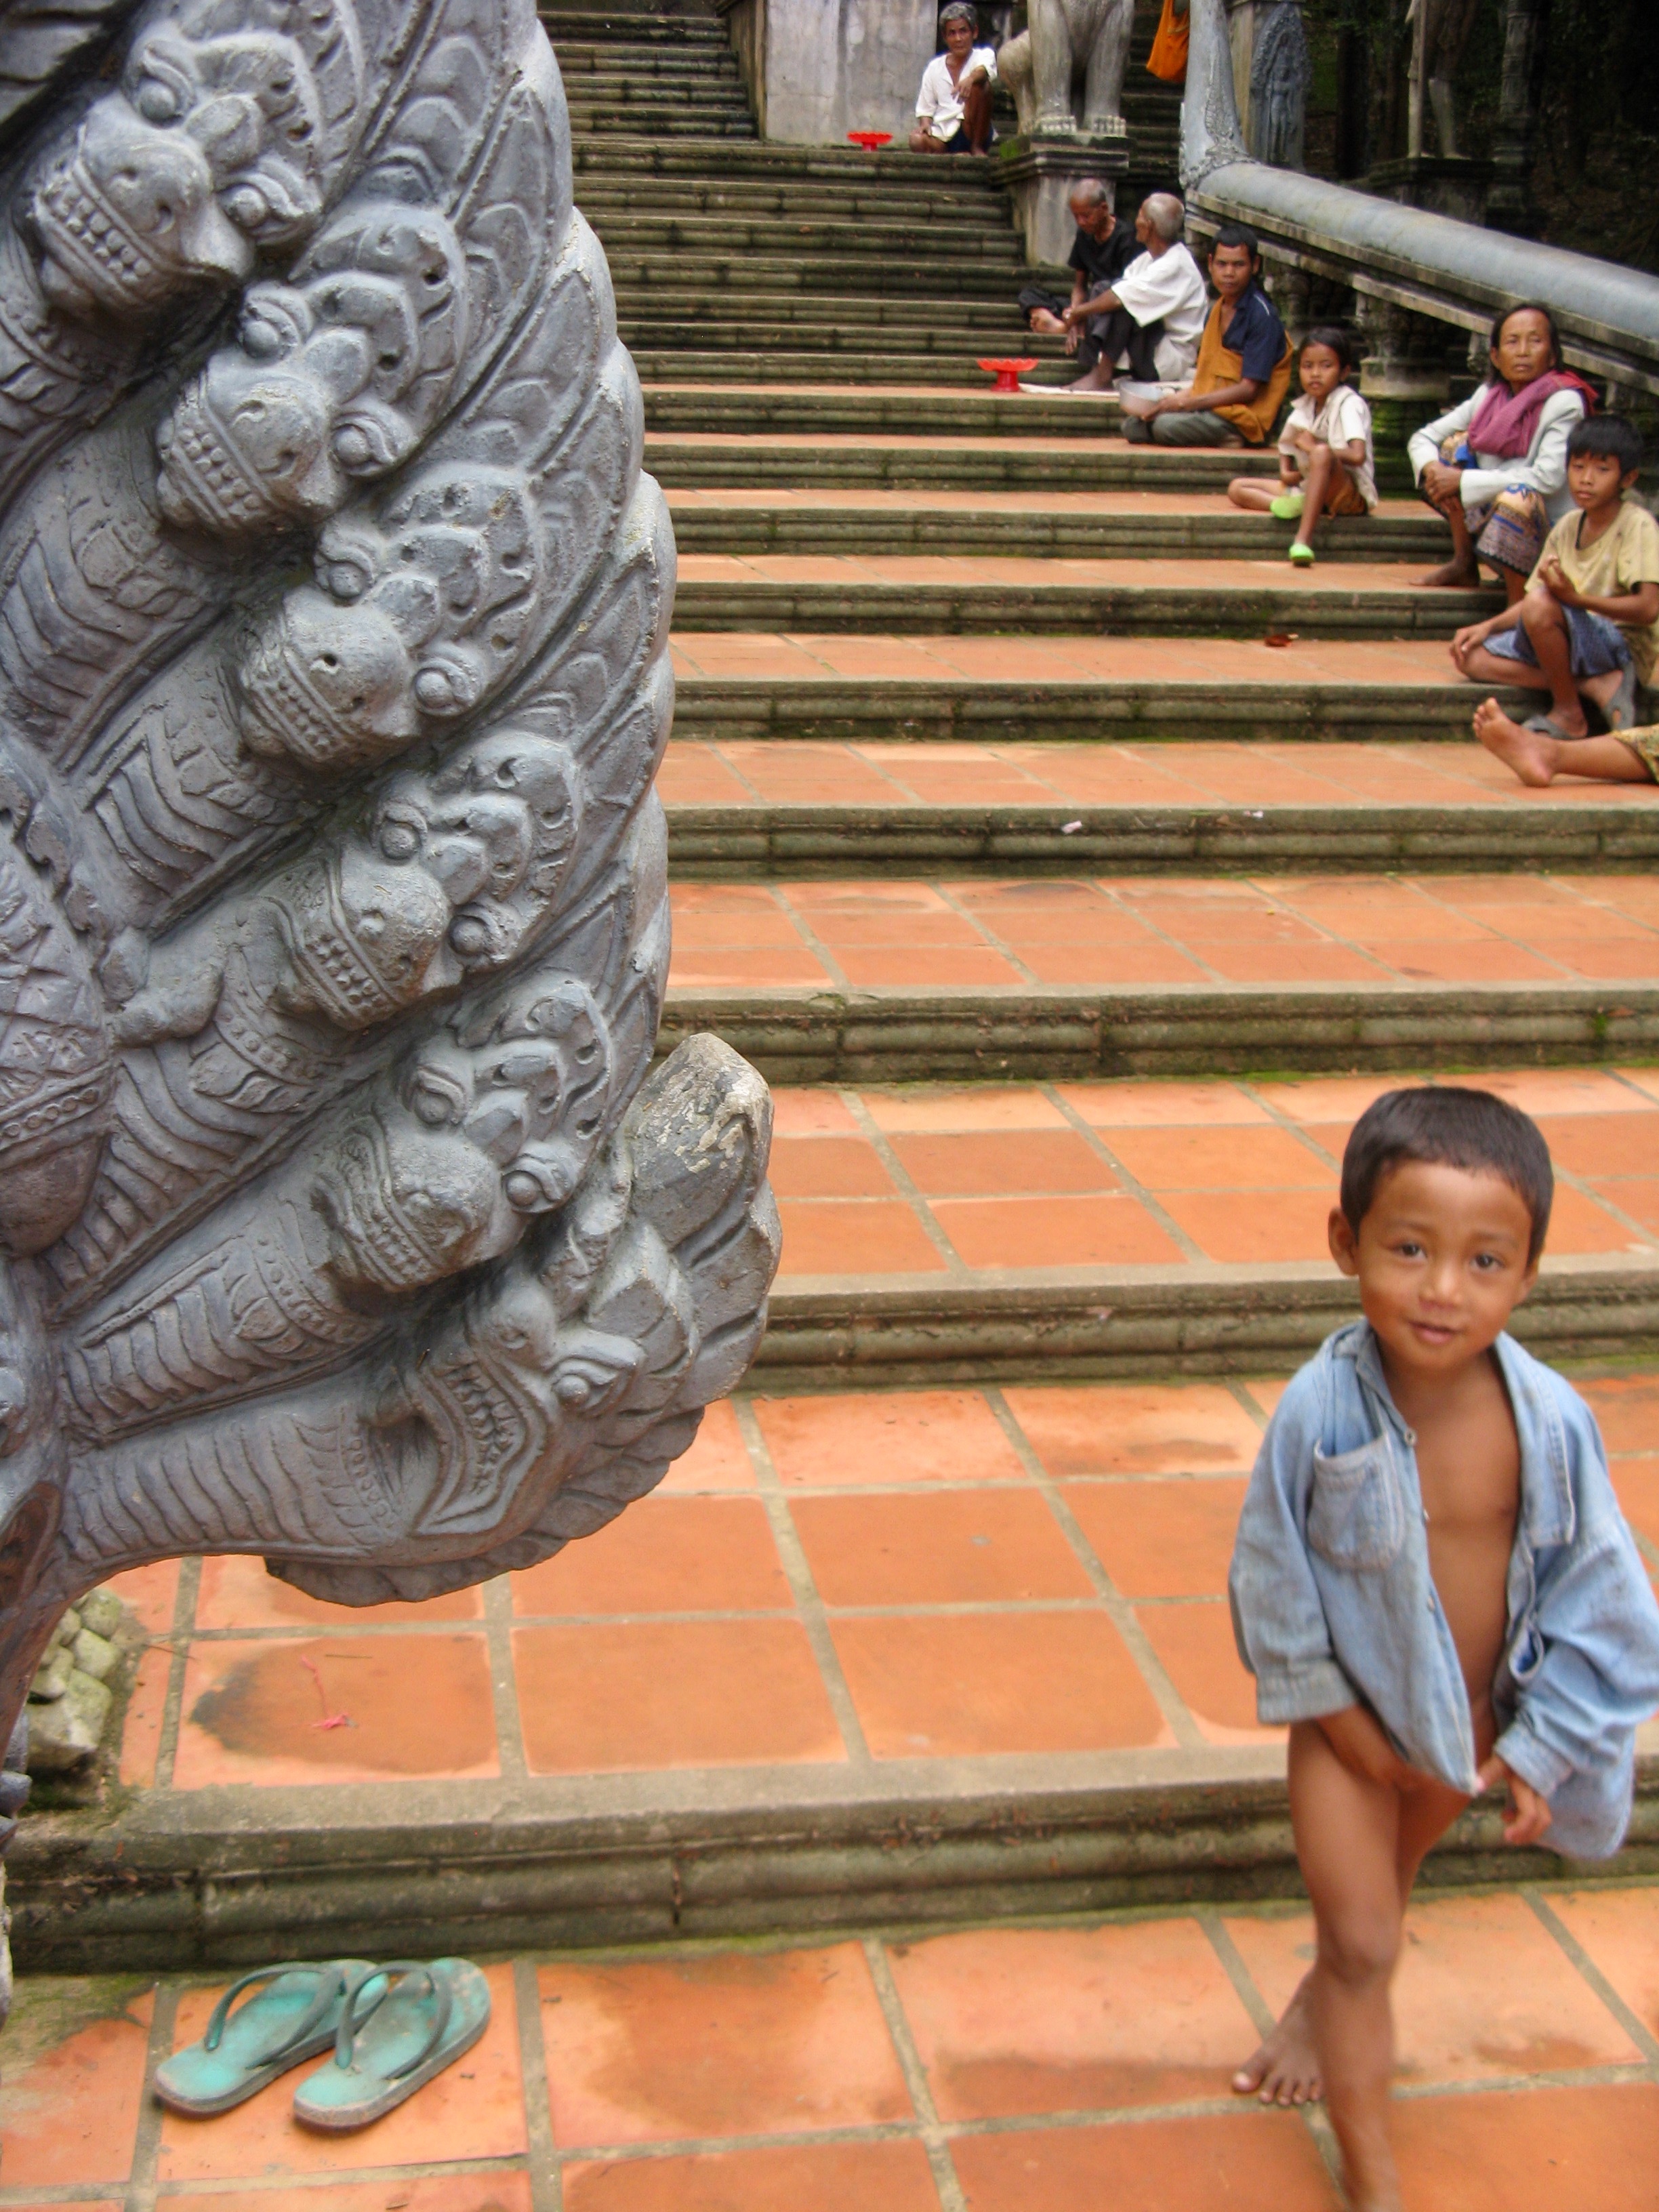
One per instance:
[(1066, 71), (340, 1219)]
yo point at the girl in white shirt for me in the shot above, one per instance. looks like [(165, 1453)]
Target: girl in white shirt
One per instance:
[(1326, 461), (953, 108)]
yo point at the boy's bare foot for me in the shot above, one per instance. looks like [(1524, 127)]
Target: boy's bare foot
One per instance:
[(1286, 2069), (1533, 755), (1049, 324), (1461, 574)]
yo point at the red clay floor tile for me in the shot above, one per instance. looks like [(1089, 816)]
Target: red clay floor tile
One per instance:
[(937, 1547), (859, 1437), (1015, 2021), (1243, 1226), (718, 1459), (1247, 2161), (70, 2092), (992, 1161), (1482, 1991), (827, 1167), (496, 2190), (1091, 1231), (141, 1723), (757, 2043), (805, 2177), (415, 1705), (475, 2109), (150, 1594), (1161, 1539), (1619, 1929), (1551, 2149), (239, 1593), (606, 1698), (664, 1555), (1137, 1428), (1626, 1408), (961, 1685), (854, 1236), (1194, 1641)]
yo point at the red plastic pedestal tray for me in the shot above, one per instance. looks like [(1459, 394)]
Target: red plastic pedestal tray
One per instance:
[(1008, 373), (871, 139)]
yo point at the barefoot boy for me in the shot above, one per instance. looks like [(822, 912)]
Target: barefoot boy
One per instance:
[(1432, 1583), (1589, 621)]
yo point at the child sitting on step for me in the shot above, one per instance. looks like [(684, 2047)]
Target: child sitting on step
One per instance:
[(1588, 620), (1432, 1584), (1326, 462)]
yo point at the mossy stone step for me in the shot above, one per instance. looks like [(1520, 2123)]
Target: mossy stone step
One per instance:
[(945, 710), (1164, 607), (826, 457), (743, 844), (887, 355), (770, 158), (723, 235), (597, 124), (819, 320), (1052, 1033), (906, 276), (612, 28), (607, 201), (800, 527), (762, 403)]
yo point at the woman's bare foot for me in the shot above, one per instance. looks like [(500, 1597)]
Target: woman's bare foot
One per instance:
[(1462, 575), (1535, 756), (1286, 2069)]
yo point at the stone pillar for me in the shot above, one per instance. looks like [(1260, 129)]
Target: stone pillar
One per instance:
[(817, 68), (1042, 173), (1272, 75), (1290, 291), (1509, 202), (1404, 377)]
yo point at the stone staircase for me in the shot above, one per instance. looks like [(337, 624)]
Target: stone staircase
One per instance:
[(1076, 872)]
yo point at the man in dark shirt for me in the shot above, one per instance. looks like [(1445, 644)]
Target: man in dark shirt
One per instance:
[(1102, 250), (1244, 367)]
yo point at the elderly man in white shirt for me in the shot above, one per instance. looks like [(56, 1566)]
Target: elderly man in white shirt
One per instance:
[(953, 108), (1153, 316)]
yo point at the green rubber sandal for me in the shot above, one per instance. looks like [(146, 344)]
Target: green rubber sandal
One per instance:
[(420, 2019), (297, 2016), (1288, 505), (1301, 555)]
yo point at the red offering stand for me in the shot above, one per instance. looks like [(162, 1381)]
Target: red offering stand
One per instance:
[(1008, 373), (871, 139)]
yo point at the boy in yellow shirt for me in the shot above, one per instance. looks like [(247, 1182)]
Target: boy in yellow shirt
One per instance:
[(1589, 622)]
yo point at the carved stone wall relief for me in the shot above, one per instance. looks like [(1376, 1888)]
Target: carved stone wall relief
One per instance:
[(340, 1218)]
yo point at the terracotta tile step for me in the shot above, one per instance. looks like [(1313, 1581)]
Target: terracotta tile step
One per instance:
[(1051, 2067), (948, 1649), (1162, 525), (1054, 808), (983, 595), (1047, 2066), (839, 688)]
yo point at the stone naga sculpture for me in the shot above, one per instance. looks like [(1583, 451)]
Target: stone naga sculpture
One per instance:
[(342, 1219), (1066, 70)]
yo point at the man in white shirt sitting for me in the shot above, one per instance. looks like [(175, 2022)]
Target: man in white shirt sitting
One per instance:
[(1153, 316), (953, 108)]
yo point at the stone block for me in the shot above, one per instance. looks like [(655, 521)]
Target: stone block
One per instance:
[(64, 1735)]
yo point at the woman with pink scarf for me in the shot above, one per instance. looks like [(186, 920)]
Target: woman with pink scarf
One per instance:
[(1496, 466)]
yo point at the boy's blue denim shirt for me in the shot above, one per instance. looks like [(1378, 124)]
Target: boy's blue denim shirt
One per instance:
[(1333, 1603)]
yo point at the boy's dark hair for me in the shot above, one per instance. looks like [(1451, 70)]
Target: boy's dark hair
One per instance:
[(1238, 234), (1523, 308), (1612, 435), (1339, 341), (1448, 1126)]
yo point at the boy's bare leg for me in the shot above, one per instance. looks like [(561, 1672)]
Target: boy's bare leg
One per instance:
[(1482, 666), (1545, 621), (1257, 493), (1538, 758), (1464, 567)]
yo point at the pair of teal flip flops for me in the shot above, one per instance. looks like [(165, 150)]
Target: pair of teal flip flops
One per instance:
[(392, 2027)]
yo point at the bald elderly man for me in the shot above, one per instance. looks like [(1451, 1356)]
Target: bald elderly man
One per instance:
[(1102, 250), (1150, 318)]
